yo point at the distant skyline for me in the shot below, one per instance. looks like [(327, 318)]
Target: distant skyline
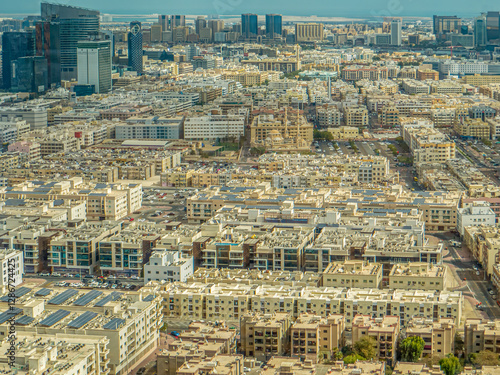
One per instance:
[(359, 8)]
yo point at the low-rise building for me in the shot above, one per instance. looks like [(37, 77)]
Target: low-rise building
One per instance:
[(385, 332), (477, 214), (353, 274), (168, 266), (418, 276), (438, 335), (265, 335), (315, 338), (481, 335)]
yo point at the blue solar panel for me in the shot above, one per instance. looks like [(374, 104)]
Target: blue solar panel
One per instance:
[(24, 320), (87, 298), (18, 293), (114, 323), (43, 292), (110, 297), (149, 298), (62, 297), (82, 319), (54, 318), (6, 315)]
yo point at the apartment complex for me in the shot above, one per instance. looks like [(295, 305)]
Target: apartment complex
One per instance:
[(127, 323), (384, 331)]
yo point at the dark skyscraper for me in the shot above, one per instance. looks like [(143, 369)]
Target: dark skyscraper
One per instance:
[(30, 74), (135, 46), (48, 45), (274, 25), (492, 25), (75, 24), (200, 23), (14, 46), (480, 32), (163, 21), (249, 26), (177, 20)]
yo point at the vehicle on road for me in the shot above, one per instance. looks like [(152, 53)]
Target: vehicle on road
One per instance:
[(55, 274), (44, 274), (175, 334)]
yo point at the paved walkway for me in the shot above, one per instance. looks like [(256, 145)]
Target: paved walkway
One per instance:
[(149, 360)]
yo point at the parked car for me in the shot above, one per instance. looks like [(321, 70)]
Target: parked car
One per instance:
[(55, 274), (175, 334), (44, 274)]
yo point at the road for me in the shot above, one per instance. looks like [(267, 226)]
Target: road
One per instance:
[(474, 287)]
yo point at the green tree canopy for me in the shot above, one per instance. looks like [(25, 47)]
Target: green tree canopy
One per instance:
[(450, 365), (366, 347), (352, 358), (411, 348), (485, 358)]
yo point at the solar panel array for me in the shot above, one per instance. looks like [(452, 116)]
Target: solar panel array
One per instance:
[(18, 293), (24, 320), (149, 298), (62, 297), (54, 318), (6, 315), (114, 323), (83, 319), (110, 297), (87, 298), (43, 292)]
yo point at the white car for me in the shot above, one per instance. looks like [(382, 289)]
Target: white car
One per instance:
[(135, 277), (55, 274), (45, 274), (111, 277)]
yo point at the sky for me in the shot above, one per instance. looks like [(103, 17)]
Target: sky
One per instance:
[(332, 8)]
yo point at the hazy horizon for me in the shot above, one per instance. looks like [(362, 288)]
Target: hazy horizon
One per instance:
[(360, 8)]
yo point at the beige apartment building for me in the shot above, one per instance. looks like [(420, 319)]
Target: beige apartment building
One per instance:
[(473, 129), (353, 274), (314, 337), (308, 32), (230, 302), (418, 276), (484, 243), (481, 335), (263, 127), (356, 117), (265, 335), (439, 335), (344, 133), (384, 330)]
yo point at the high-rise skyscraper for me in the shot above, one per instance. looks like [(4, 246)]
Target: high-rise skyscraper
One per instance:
[(200, 23), (177, 20), (48, 45), (274, 25), (249, 25), (446, 24), (135, 46), (14, 46), (30, 74), (94, 64), (163, 21), (75, 24), (492, 25), (480, 32), (191, 51), (396, 32)]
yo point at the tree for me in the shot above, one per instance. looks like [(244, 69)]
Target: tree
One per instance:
[(450, 365), (350, 359), (485, 358), (366, 347), (411, 348), (459, 345)]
